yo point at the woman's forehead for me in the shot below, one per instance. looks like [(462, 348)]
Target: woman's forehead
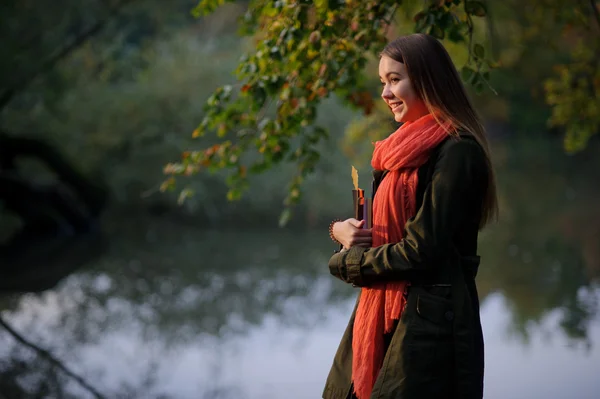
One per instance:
[(388, 65)]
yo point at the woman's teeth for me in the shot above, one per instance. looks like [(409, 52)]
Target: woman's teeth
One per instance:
[(395, 106)]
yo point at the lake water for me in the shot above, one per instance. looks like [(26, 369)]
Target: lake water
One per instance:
[(176, 312)]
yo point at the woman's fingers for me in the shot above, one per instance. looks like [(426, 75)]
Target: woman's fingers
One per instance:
[(363, 232), (350, 233), (356, 223)]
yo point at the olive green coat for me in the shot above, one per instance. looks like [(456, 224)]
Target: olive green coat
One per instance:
[(436, 349)]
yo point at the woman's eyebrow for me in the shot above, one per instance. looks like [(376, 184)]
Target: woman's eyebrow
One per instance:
[(391, 73)]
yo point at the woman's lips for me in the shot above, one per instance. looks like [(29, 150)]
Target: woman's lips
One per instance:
[(395, 107)]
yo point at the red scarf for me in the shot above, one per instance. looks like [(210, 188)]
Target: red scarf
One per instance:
[(402, 153)]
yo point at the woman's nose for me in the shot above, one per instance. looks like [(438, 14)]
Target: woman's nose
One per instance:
[(386, 93)]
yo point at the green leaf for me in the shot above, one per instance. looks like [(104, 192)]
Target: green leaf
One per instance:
[(226, 92), (271, 12), (234, 194), (437, 32), (206, 7), (479, 50), (476, 8), (445, 21), (276, 53), (184, 194), (467, 73), (479, 88), (455, 35), (285, 217)]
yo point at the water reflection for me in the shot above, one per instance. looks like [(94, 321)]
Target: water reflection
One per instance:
[(544, 254), (277, 358), (167, 310)]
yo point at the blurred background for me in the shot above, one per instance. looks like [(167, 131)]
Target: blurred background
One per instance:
[(111, 289)]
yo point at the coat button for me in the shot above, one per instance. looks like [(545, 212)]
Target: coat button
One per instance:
[(449, 315)]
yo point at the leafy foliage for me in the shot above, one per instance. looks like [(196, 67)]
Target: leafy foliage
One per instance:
[(554, 45), (574, 95), (574, 90), (305, 52)]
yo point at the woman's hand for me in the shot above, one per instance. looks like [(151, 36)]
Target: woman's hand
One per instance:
[(350, 233)]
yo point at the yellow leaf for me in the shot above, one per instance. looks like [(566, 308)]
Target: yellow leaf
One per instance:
[(355, 178)]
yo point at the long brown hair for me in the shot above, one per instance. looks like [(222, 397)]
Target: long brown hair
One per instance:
[(436, 81)]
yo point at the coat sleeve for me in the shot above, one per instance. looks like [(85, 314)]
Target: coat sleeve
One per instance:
[(459, 175)]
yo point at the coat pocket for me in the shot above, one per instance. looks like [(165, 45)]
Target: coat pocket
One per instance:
[(428, 353), (434, 314)]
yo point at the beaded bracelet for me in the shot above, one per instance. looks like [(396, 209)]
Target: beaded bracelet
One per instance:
[(331, 230)]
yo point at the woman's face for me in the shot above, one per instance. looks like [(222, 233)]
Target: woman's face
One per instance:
[(398, 92)]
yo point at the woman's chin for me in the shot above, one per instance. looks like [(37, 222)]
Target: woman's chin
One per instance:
[(399, 118)]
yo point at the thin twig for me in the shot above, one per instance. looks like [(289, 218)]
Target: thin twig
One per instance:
[(390, 19), (490, 86), (491, 31), (50, 358), (65, 51), (470, 25), (263, 110)]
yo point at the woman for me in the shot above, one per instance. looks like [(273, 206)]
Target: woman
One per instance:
[(416, 332)]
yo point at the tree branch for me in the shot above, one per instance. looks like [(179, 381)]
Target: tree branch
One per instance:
[(595, 11), (51, 359), (390, 19), (8, 95), (492, 36)]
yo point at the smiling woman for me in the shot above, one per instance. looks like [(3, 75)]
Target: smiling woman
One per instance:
[(416, 330)]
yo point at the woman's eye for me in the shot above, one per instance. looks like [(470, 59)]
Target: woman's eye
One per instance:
[(394, 80)]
